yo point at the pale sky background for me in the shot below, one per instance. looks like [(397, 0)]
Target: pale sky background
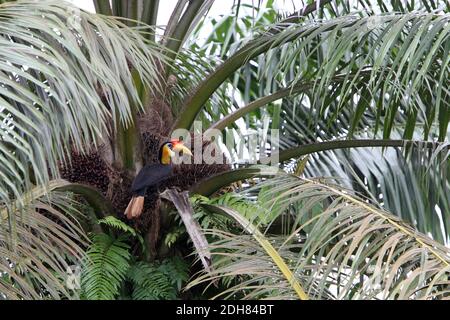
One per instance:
[(219, 7)]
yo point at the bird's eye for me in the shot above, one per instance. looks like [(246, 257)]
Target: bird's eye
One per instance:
[(170, 146)]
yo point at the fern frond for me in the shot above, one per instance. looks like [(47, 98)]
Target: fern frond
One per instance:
[(106, 265), (251, 210), (113, 222), (173, 235), (150, 283), (176, 269)]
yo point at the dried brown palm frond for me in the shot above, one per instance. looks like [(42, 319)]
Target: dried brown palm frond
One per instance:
[(337, 245)]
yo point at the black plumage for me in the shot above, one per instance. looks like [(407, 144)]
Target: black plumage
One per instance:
[(150, 176)]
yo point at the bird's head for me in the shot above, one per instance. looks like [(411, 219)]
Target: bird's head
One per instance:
[(169, 149)]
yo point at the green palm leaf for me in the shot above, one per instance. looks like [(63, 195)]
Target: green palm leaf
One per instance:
[(40, 239), (66, 82), (338, 247)]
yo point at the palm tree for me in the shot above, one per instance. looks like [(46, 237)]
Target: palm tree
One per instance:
[(357, 207)]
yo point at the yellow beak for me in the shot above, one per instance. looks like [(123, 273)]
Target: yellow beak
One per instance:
[(179, 147)]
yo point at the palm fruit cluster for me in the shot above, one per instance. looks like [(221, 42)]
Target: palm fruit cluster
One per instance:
[(187, 175), (88, 169), (115, 184)]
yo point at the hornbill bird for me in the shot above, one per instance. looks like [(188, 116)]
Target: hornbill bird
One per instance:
[(151, 175)]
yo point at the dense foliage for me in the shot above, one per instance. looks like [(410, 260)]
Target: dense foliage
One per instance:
[(357, 207)]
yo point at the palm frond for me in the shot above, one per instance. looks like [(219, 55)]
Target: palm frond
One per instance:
[(184, 207), (338, 246), (65, 77), (412, 184), (40, 241), (387, 45), (268, 248)]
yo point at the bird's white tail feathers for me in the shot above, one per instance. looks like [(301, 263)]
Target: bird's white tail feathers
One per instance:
[(134, 208)]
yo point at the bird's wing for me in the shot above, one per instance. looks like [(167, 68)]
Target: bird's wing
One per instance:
[(150, 175)]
